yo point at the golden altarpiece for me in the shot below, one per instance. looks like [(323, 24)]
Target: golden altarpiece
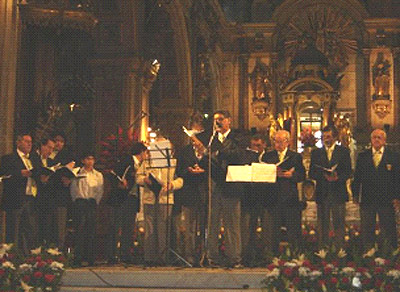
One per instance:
[(91, 67)]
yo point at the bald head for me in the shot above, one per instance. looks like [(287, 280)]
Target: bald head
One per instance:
[(281, 140), (378, 139)]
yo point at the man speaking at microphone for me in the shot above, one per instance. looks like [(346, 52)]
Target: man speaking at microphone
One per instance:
[(225, 197)]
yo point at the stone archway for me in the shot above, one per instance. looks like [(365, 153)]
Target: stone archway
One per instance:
[(308, 94), (173, 88)]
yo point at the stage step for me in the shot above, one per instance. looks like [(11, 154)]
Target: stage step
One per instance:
[(118, 278), (91, 289)]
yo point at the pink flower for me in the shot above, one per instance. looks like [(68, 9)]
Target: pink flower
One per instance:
[(2, 272), (334, 280), (288, 272), (41, 264), (379, 270), (345, 280), (351, 264), (38, 274), (365, 281), (378, 283), (389, 287), (26, 278), (49, 278), (327, 270)]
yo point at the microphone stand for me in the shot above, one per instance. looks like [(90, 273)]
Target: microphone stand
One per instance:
[(209, 189), (168, 222)]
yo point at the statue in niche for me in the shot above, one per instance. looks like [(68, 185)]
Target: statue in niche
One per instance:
[(381, 78), (259, 81), (262, 90)]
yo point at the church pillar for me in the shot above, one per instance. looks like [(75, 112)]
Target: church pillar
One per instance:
[(9, 47), (363, 89), (117, 86), (243, 112), (396, 78)]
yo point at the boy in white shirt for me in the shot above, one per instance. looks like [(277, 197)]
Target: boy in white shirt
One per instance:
[(86, 193)]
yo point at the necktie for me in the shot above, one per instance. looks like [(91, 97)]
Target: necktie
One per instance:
[(28, 162), (30, 167), (221, 138), (377, 158), (329, 153), (281, 156)]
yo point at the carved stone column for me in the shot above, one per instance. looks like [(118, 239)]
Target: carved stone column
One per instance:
[(363, 90), (396, 78), (116, 84), (9, 47), (243, 92)]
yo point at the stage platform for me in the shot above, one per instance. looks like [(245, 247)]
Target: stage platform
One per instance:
[(166, 279)]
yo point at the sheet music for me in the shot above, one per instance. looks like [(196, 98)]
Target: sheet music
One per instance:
[(256, 172), (263, 172), (159, 151), (332, 169), (239, 173)]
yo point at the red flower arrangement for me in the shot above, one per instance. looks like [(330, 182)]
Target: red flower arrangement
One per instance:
[(40, 271), (113, 146)]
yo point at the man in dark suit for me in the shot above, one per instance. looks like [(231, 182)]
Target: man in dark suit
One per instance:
[(331, 168), (125, 202), (45, 199), (225, 199), (190, 199), (251, 202), (19, 192), (60, 154), (375, 188), (285, 209)]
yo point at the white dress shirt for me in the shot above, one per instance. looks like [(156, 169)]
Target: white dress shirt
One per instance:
[(31, 188), (89, 187)]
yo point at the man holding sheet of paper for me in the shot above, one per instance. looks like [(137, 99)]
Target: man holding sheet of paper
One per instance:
[(225, 200), (125, 201), (285, 209), (331, 168)]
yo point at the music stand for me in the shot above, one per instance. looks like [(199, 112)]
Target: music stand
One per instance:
[(162, 159)]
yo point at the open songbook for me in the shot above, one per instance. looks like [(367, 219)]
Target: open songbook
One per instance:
[(256, 172), (66, 170), (121, 178), (156, 184), (3, 177), (330, 170), (70, 172)]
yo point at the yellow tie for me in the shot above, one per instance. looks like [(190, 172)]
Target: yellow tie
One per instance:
[(377, 158), (329, 153), (221, 138), (33, 182), (281, 156)]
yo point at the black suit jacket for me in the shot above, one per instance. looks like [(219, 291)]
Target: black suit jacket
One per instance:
[(190, 194), (64, 156), (222, 155), (285, 189), (118, 195), (45, 199), (376, 185), (341, 158), (14, 188), (254, 193)]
